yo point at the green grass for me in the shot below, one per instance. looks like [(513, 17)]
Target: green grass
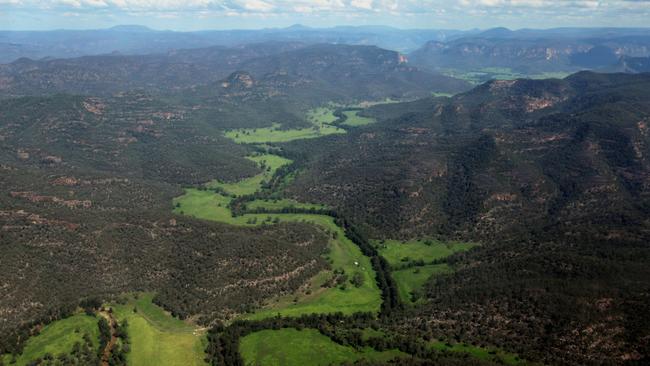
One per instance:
[(398, 253), (268, 163), (290, 346), (353, 119), (412, 280), (205, 205), (321, 115), (276, 134), (157, 338), (482, 353), (343, 254), (57, 338)]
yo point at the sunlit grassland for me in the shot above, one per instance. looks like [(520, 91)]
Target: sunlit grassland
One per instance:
[(268, 163), (57, 338), (290, 346), (427, 250), (353, 119), (321, 120), (156, 337), (344, 256), (413, 262), (276, 134), (412, 280), (321, 115)]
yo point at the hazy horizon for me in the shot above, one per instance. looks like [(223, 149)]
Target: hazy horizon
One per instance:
[(143, 26), (195, 15)]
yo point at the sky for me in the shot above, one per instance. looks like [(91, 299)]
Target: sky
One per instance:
[(189, 15)]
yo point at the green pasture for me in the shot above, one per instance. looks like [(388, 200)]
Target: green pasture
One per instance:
[(287, 347)]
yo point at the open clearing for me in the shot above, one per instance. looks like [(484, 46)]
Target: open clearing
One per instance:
[(286, 347), (321, 115), (320, 119), (427, 250), (268, 163), (58, 337), (156, 337), (411, 280), (344, 256), (412, 262), (353, 119), (276, 134)]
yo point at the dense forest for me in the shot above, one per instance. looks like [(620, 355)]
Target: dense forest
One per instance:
[(548, 180)]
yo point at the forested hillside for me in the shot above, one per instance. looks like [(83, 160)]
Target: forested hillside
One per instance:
[(367, 71), (553, 174), (229, 203)]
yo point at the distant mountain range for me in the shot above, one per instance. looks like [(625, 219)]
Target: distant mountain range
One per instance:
[(352, 71), (533, 52), (141, 40), (436, 47)]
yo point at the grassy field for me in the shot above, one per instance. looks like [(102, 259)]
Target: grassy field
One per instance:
[(422, 252), (321, 115), (353, 119), (398, 252), (320, 119), (205, 205), (269, 164), (276, 134), (157, 338), (286, 347), (343, 255), (412, 280), (482, 353), (57, 338)]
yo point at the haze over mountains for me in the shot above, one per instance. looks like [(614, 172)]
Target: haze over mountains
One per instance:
[(391, 197)]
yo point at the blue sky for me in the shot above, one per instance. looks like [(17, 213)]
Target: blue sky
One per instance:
[(229, 14)]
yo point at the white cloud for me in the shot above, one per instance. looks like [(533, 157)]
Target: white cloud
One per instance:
[(362, 4), (496, 12)]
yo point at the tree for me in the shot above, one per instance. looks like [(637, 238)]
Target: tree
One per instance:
[(357, 279)]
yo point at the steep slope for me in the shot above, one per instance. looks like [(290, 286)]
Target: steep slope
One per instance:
[(631, 64), (86, 212), (552, 176), (364, 71)]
